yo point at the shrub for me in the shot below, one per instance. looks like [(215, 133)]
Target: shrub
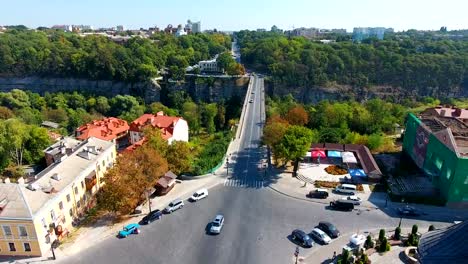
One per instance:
[(344, 257), (397, 235), (381, 235), (413, 240), (384, 245), (369, 243), (414, 230), (431, 228)]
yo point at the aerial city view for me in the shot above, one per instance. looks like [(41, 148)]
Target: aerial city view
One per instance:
[(246, 132)]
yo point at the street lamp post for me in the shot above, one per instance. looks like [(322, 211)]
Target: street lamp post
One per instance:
[(227, 167), (401, 216)]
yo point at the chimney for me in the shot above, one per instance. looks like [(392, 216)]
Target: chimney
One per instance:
[(457, 112), (160, 113)]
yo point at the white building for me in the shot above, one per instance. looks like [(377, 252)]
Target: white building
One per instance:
[(172, 128)]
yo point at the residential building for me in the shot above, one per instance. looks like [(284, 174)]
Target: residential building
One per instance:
[(437, 141), (180, 31), (196, 27), (361, 33), (60, 150), (67, 28), (119, 28), (172, 128), (210, 65), (305, 32), (109, 128), (34, 215)]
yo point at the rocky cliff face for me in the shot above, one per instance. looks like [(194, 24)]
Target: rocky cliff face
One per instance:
[(347, 92), (210, 89), (150, 90)]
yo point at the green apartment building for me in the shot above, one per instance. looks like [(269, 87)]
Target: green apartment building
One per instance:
[(437, 141)]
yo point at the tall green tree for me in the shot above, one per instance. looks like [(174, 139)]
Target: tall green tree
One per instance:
[(295, 143)]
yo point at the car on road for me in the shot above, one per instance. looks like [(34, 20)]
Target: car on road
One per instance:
[(329, 229), (318, 193), (352, 199), (342, 205), (217, 224), (200, 194), (320, 236), (173, 206), (129, 229), (252, 92), (302, 238), (346, 188), (153, 215), (408, 211), (251, 101)]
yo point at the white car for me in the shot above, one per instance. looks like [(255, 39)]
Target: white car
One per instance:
[(173, 206), (321, 236), (353, 199), (217, 224), (200, 194)]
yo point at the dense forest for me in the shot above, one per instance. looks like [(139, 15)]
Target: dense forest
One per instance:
[(415, 62), (58, 54)]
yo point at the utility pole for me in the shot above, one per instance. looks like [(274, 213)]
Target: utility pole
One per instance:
[(227, 167)]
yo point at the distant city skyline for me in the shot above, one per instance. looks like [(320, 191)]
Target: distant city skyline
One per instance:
[(241, 14)]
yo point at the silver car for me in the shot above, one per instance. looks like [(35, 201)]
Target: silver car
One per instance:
[(217, 224), (353, 199), (173, 206)]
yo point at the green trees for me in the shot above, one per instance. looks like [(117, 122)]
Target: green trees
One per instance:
[(227, 63), (59, 54), (420, 65), (294, 144)]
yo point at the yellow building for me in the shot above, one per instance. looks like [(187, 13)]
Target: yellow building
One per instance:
[(33, 215)]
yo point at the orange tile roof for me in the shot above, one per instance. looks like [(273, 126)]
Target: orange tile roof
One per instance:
[(107, 129), (165, 123)]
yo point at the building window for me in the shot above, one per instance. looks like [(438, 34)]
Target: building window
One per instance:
[(7, 230), (52, 215), (103, 163), (61, 205), (71, 212), (12, 246), (78, 204), (68, 198), (27, 247), (22, 231), (98, 168), (76, 190)]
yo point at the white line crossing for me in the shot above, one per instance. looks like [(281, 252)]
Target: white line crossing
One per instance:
[(244, 183)]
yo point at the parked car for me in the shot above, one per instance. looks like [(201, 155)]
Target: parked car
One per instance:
[(321, 236), (129, 229), (154, 215), (318, 193), (342, 205), (352, 199), (302, 238), (408, 211), (346, 188), (217, 224), (200, 194), (173, 206), (329, 229)]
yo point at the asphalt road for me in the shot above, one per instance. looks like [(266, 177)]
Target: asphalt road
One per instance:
[(258, 220)]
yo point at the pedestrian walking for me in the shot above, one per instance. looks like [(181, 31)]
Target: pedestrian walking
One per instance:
[(334, 255)]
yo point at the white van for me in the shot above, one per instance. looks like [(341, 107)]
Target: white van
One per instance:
[(200, 194), (346, 188)]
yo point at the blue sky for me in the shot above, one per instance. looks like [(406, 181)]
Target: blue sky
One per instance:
[(240, 14)]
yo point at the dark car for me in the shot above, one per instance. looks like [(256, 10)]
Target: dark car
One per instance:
[(329, 229), (156, 214), (302, 238), (318, 193), (408, 211), (342, 205)]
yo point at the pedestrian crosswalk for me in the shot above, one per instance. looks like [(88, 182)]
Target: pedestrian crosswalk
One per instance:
[(244, 183)]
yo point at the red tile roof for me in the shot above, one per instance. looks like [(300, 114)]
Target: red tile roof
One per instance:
[(107, 129), (451, 111), (165, 123)]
